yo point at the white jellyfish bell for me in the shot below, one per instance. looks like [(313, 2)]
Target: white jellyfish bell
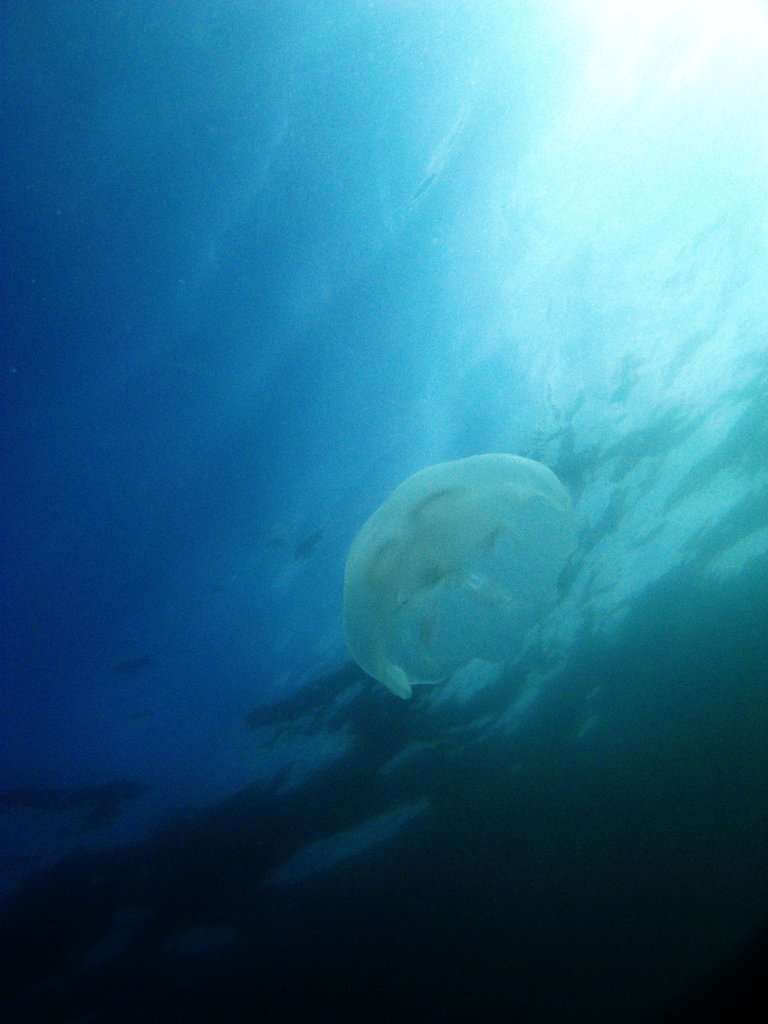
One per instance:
[(458, 563)]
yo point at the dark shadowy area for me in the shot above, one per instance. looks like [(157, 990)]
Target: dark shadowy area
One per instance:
[(100, 804), (617, 878)]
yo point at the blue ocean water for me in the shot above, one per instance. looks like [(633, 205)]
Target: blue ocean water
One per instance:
[(261, 262)]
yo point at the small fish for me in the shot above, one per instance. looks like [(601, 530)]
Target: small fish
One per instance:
[(305, 547), (131, 666)]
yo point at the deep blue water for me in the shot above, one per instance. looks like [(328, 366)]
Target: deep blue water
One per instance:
[(261, 262)]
